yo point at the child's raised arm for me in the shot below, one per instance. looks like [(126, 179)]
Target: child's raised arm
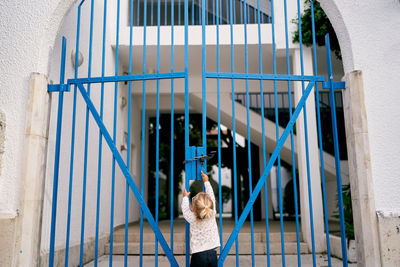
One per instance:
[(187, 213), (208, 187)]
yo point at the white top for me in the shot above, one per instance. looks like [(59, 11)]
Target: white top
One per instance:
[(204, 233)]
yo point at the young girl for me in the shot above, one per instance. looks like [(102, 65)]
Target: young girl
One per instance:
[(203, 227)]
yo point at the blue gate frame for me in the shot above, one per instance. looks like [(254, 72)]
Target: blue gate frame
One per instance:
[(82, 85)]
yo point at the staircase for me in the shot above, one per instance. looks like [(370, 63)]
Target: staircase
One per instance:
[(256, 129), (260, 244)]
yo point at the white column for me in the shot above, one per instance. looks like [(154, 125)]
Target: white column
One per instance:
[(361, 182), (314, 161), (33, 171)]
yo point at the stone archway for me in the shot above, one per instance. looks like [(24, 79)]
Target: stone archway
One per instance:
[(360, 173)]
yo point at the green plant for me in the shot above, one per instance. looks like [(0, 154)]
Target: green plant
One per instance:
[(322, 27), (347, 211)]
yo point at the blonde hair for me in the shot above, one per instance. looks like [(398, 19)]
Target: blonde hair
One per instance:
[(203, 207)]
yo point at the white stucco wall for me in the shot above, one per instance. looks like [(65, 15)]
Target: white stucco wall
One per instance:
[(368, 33), (27, 32)]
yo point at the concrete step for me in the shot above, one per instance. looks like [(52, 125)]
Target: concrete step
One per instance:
[(179, 248), (119, 237)]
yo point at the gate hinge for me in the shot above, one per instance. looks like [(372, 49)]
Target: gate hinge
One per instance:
[(58, 88), (336, 85), (196, 162)]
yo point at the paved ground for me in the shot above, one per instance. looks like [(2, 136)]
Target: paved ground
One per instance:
[(228, 225), (260, 260)]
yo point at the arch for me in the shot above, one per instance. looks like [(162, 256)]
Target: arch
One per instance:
[(51, 30), (331, 9)]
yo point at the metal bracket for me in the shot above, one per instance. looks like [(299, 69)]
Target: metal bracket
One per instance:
[(336, 85), (196, 162), (58, 88)]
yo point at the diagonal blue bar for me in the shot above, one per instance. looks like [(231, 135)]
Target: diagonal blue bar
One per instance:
[(264, 176), (127, 175)]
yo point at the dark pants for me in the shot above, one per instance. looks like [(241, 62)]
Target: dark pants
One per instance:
[(206, 258)]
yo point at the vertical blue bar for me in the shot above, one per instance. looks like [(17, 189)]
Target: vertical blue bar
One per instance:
[(114, 134), (248, 130), (234, 130), (219, 137), (187, 229), (336, 148), (263, 133), (172, 128), (86, 139), (143, 132), (306, 145), (71, 169), (292, 150), (277, 136), (203, 76), (321, 151), (57, 156), (100, 135), (128, 142), (157, 128)]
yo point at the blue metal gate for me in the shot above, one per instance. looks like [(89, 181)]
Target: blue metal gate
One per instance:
[(204, 13)]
